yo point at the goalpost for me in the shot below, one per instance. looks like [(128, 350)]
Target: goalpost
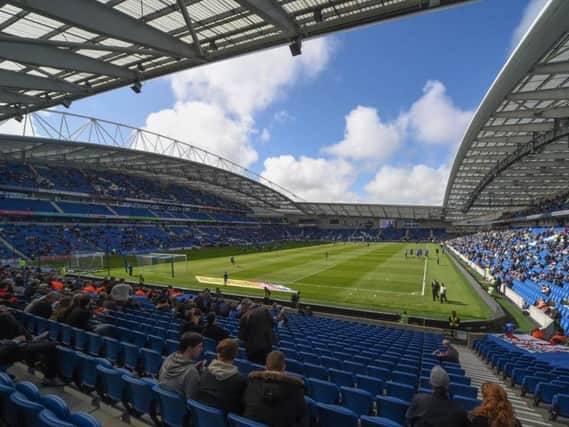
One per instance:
[(153, 262), (87, 261)]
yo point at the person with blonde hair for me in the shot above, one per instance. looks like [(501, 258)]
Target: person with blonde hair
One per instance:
[(495, 409)]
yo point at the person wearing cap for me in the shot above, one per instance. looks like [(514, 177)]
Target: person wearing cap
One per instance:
[(275, 398), (178, 372), (221, 384), (436, 409), (450, 354)]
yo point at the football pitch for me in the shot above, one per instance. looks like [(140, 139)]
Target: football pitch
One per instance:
[(377, 276)]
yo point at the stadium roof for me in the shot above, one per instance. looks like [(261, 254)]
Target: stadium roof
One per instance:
[(200, 176), (516, 149), (52, 52), (373, 210)]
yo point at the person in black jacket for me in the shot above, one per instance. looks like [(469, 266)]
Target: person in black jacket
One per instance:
[(16, 345), (256, 330), (437, 409), (221, 384), (80, 315), (213, 330), (275, 398), (43, 306)]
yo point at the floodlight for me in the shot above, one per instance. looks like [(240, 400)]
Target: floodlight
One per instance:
[(296, 47), (136, 87)]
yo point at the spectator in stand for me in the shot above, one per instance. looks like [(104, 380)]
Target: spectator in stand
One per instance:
[(450, 354), (495, 409), (436, 409), (256, 329), (559, 338), (121, 292), (213, 330), (43, 306), (545, 290), (61, 309), (193, 322), (221, 384), (281, 319), (80, 314), (179, 373), (274, 398), (16, 344)]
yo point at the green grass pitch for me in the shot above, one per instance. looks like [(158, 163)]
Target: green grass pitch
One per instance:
[(356, 275)]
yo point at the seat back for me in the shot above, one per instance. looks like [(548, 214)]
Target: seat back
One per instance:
[(323, 391), (46, 418), (237, 421), (206, 416), (336, 416), (56, 405), (357, 400), (392, 408), (82, 419), (172, 407)]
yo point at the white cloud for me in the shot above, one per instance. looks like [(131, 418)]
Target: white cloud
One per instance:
[(419, 184), (247, 84), (313, 179), (283, 117), (366, 137), (265, 135), (532, 10), (12, 127), (216, 104), (208, 127), (434, 119)]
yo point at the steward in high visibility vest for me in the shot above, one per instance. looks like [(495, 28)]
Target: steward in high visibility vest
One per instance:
[(454, 320)]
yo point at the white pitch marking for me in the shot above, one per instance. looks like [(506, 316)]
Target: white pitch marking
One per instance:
[(424, 278)]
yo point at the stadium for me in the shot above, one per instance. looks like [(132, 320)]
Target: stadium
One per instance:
[(123, 248)]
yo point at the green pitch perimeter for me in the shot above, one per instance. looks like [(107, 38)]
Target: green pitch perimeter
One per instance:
[(377, 276)]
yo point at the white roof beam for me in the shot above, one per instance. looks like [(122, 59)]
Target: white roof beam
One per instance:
[(540, 95), (274, 14), (552, 68), (59, 58), (521, 127), (553, 113), (102, 19)]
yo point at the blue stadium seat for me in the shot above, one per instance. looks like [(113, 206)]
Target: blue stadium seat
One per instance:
[(129, 355), (151, 362), (111, 384), (316, 371), (560, 406), (399, 391), (206, 416), (323, 391), (467, 403), (111, 349), (21, 411), (156, 343), (336, 416), (56, 405), (80, 339), (94, 344), (29, 390), (237, 421), (370, 384), (392, 408), (367, 421), (341, 378), (65, 362), (173, 411), (544, 392), (378, 372), (82, 419), (47, 418), (53, 330), (138, 396), (357, 400)]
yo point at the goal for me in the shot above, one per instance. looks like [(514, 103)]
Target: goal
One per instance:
[(87, 261), (162, 262)]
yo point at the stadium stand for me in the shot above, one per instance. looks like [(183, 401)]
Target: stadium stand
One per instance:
[(122, 370)]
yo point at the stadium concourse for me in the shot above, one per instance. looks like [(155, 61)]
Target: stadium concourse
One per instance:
[(78, 350)]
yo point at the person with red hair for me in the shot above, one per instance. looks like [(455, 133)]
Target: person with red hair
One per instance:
[(495, 409)]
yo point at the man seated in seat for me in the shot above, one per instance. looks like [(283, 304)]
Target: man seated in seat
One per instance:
[(17, 345), (436, 409), (221, 384), (275, 398), (450, 354), (179, 373)]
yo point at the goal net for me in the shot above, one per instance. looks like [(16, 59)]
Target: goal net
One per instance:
[(163, 262), (87, 261)]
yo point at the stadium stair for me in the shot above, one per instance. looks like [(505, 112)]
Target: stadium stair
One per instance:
[(480, 373), (56, 207)]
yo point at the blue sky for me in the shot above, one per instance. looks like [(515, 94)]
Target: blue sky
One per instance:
[(373, 114)]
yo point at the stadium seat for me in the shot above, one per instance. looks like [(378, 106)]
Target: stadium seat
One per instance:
[(46, 418), (560, 406), (369, 384), (392, 408), (111, 349), (172, 407), (56, 405), (316, 371), (151, 362), (237, 421), (400, 391), (156, 343), (341, 378), (111, 384), (336, 416), (82, 419), (544, 392), (206, 416), (357, 400), (21, 411), (367, 421), (80, 339), (94, 344), (138, 396), (130, 354), (65, 362), (29, 390), (467, 403), (323, 391)]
